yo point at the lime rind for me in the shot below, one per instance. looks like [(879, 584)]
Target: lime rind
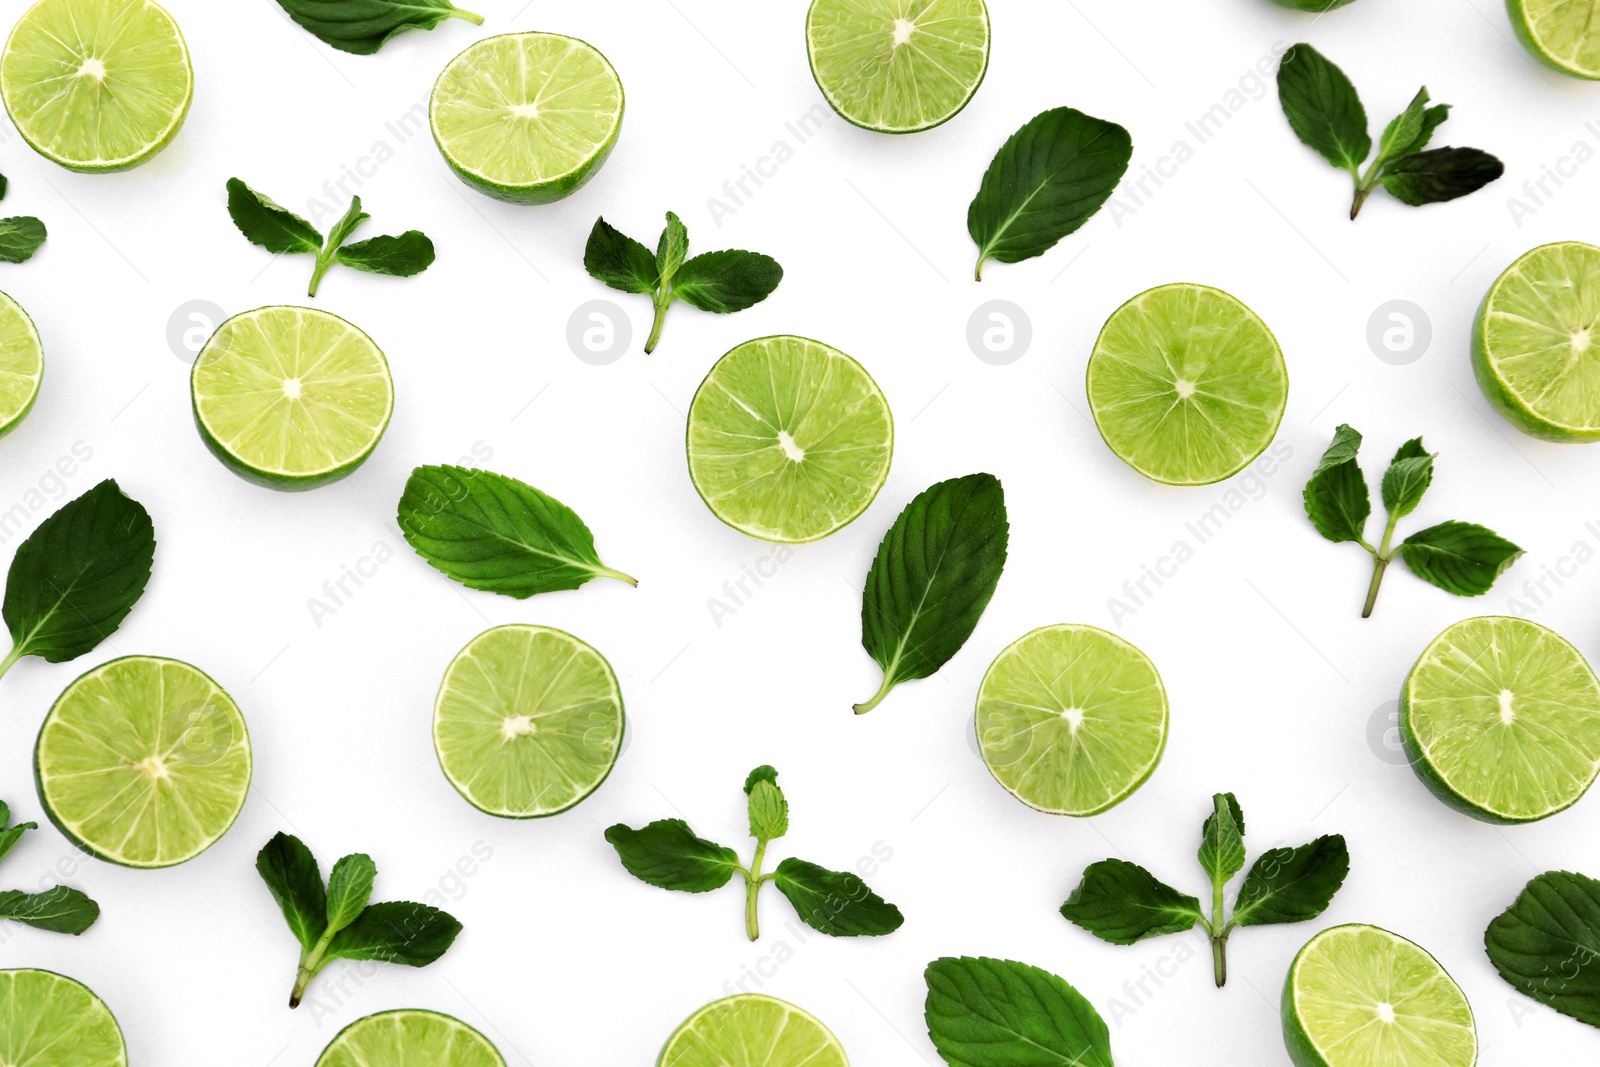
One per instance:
[(752, 1030), (410, 1036), (1562, 36), (46, 1017), (21, 364)]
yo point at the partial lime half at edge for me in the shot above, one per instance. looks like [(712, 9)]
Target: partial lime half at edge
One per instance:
[(1071, 719), (1359, 996), (50, 1020), (898, 66), (143, 762), (1501, 720), (527, 117), (410, 1037), (1186, 384), (751, 1030), (21, 364), (96, 85), (1564, 34), (528, 721)]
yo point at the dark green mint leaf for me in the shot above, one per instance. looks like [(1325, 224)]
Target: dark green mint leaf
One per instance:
[(835, 902), (1222, 839), (349, 889), (60, 910), (1404, 129), (618, 260), (1459, 557), (1547, 944), (362, 26), (1336, 497), (1121, 902), (291, 873), (401, 256), (396, 932), (1000, 1013), (671, 249), (1408, 477), (1440, 174), (4, 185), (269, 224), (1290, 885), (347, 224), (764, 773), (1323, 108), (10, 835), (667, 854), (20, 238), (726, 281)]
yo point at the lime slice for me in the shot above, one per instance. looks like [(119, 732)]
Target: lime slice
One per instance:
[(144, 762), (1358, 996), (410, 1037), (898, 66), (1536, 342), (527, 117), (1187, 386), (96, 85), (290, 397), (789, 440), (21, 364), (751, 1030), (1071, 719), (1564, 34), (528, 721), (1501, 720), (49, 1020), (1312, 5)]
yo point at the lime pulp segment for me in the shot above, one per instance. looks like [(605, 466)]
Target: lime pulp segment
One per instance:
[(1564, 34), (789, 440), (528, 721), (21, 364), (1071, 719), (751, 1030), (898, 66), (1501, 719), (49, 1020), (409, 1038), (1186, 384)]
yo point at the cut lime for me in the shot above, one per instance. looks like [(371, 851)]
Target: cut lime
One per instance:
[(49, 1020), (528, 721), (751, 1030), (1071, 719), (527, 117), (1312, 5), (789, 440), (291, 397), (1501, 720), (898, 66), (1358, 996), (1536, 342), (144, 762), (1564, 34), (409, 1037), (96, 85), (1187, 386), (21, 364)]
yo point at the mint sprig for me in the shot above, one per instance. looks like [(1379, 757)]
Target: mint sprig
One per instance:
[(362, 26), (59, 909)]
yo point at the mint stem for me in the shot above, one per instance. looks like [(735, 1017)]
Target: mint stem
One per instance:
[(1219, 935), (655, 327), (316, 275), (753, 882), (311, 964), (457, 13), (1362, 192), (10, 660), (607, 572), (877, 698), (1381, 557)]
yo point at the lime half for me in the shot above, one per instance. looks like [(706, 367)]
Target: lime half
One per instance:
[(291, 397), (409, 1038), (1187, 386), (21, 364), (1071, 719), (1536, 342), (48, 1020), (898, 66), (96, 85), (1501, 720), (751, 1030), (144, 762), (789, 440), (1564, 34), (528, 721), (527, 117), (1358, 996)]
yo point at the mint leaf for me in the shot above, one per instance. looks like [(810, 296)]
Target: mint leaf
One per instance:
[(726, 281), (1121, 902), (60, 909), (835, 902), (1404, 129), (1408, 477), (1440, 174), (618, 260), (1046, 181), (935, 571), (20, 238), (1547, 943), (1222, 840), (292, 876), (396, 932), (1291, 885), (362, 26), (1336, 498), (1459, 557), (1323, 108), (769, 811), (497, 534), (269, 224), (671, 249), (399, 256), (349, 889), (764, 773), (348, 223), (999, 1013), (668, 855), (10, 835)]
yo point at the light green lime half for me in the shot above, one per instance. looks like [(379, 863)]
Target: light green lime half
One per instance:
[(1312, 5), (1501, 720), (789, 440), (1187, 386), (49, 1020), (409, 1038), (528, 721), (291, 397), (527, 117), (1358, 996), (96, 85), (1564, 34), (21, 364), (898, 66), (751, 1030), (1536, 342), (144, 762), (1071, 719)]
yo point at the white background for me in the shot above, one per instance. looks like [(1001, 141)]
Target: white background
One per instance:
[(1278, 690)]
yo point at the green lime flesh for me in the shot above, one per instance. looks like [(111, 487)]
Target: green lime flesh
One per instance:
[(21, 364), (1312, 5), (409, 1038), (1563, 34), (49, 1020), (751, 1030)]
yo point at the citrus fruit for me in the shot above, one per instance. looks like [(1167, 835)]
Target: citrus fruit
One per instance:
[(409, 1038), (21, 364), (1311, 5), (1564, 34), (49, 1020), (751, 1030)]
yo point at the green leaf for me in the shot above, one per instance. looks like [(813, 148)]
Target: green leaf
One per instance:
[(667, 854), (1432, 119), (401, 256), (353, 217), (764, 773), (60, 910), (1291, 885), (618, 260), (1336, 497), (999, 1013), (835, 902), (269, 224), (396, 932), (671, 250), (1404, 129), (1121, 902), (20, 238), (769, 811), (1408, 477), (495, 533), (291, 873), (10, 835), (362, 26), (1459, 557), (349, 889), (1547, 944), (77, 576), (4, 185), (726, 281), (934, 573), (1046, 181), (1440, 174), (1323, 108), (1222, 840)]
